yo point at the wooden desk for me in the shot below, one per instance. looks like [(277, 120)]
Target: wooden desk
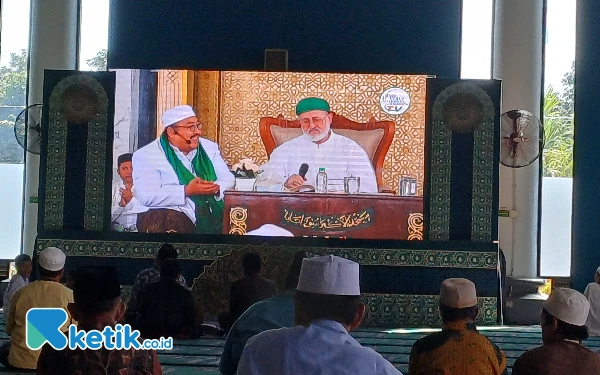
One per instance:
[(368, 216)]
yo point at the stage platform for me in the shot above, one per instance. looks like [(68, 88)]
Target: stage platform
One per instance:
[(201, 356)]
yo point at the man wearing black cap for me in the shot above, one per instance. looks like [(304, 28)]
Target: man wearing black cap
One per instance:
[(166, 307), (149, 276), (97, 295), (125, 206)]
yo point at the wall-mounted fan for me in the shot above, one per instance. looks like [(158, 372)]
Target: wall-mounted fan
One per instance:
[(522, 138), (28, 128)]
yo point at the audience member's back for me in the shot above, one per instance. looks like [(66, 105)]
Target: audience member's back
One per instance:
[(272, 313), (97, 306), (149, 276), (458, 349), (45, 292), (251, 288), (563, 330), (23, 266), (166, 307), (592, 293)]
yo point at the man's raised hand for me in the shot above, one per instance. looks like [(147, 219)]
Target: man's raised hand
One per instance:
[(200, 187)]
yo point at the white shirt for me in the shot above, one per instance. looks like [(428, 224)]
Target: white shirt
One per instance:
[(324, 347), (340, 156), (157, 185), (592, 293), (126, 216), (16, 283)]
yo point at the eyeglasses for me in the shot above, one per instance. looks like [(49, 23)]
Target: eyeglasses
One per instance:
[(196, 126), (317, 121)]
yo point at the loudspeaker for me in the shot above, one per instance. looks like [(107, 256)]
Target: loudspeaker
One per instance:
[(276, 60)]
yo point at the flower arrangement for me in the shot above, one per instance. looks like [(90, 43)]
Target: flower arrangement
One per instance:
[(245, 168)]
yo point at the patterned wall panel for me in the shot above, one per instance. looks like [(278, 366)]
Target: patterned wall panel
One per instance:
[(96, 160), (385, 310), (459, 108), (248, 96), (402, 310), (206, 85), (54, 194), (95, 151), (172, 91), (364, 256)]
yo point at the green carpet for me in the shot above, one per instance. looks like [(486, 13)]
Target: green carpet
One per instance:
[(201, 356)]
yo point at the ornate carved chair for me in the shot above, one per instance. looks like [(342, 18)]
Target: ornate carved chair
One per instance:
[(374, 136)]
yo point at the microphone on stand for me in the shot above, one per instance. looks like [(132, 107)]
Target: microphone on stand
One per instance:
[(303, 170)]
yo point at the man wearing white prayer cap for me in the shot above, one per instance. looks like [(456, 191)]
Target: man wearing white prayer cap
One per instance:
[(181, 178), (592, 293), (270, 230), (458, 349), (46, 292), (328, 306), (563, 329)]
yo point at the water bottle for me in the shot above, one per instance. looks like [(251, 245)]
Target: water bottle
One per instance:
[(321, 181)]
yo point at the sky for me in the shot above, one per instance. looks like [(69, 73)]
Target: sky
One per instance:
[(15, 28), (476, 45)]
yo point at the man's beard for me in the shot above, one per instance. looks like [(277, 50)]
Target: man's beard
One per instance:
[(319, 137)]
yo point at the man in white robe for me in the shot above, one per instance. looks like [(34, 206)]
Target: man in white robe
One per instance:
[(125, 206), (181, 178), (320, 147), (592, 293), (327, 308), (23, 266)]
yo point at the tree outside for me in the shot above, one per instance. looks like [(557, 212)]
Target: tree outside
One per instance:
[(558, 128), (13, 83), (98, 62)]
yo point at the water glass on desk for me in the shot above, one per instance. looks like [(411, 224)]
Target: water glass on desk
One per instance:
[(408, 186), (351, 185)]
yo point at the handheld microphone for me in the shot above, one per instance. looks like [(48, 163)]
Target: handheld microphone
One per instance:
[(303, 170)]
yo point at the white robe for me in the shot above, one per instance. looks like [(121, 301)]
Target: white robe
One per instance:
[(156, 183), (324, 347), (15, 283), (592, 293), (340, 156), (126, 216)]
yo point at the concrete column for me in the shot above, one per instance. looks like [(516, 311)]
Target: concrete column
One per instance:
[(52, 45), (518, 41)]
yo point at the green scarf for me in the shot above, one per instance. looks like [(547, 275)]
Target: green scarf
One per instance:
[(209, 211)]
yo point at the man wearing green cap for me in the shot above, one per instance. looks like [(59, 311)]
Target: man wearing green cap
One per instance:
[(319, 147)]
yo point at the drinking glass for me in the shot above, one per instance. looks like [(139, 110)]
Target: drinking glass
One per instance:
[(351, 185), (408, 186)]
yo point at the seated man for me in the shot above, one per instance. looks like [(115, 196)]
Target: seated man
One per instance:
[(148, 276), (563, 330), (45, 292), (23, 266), (181, 178), (125, 207), (272, 313), (97, 305), (327, 307), (251, 288), (592, 293), (458, 349), (166, 307), (319, 147)]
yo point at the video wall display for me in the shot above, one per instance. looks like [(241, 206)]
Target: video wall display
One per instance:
[(269, 154)]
